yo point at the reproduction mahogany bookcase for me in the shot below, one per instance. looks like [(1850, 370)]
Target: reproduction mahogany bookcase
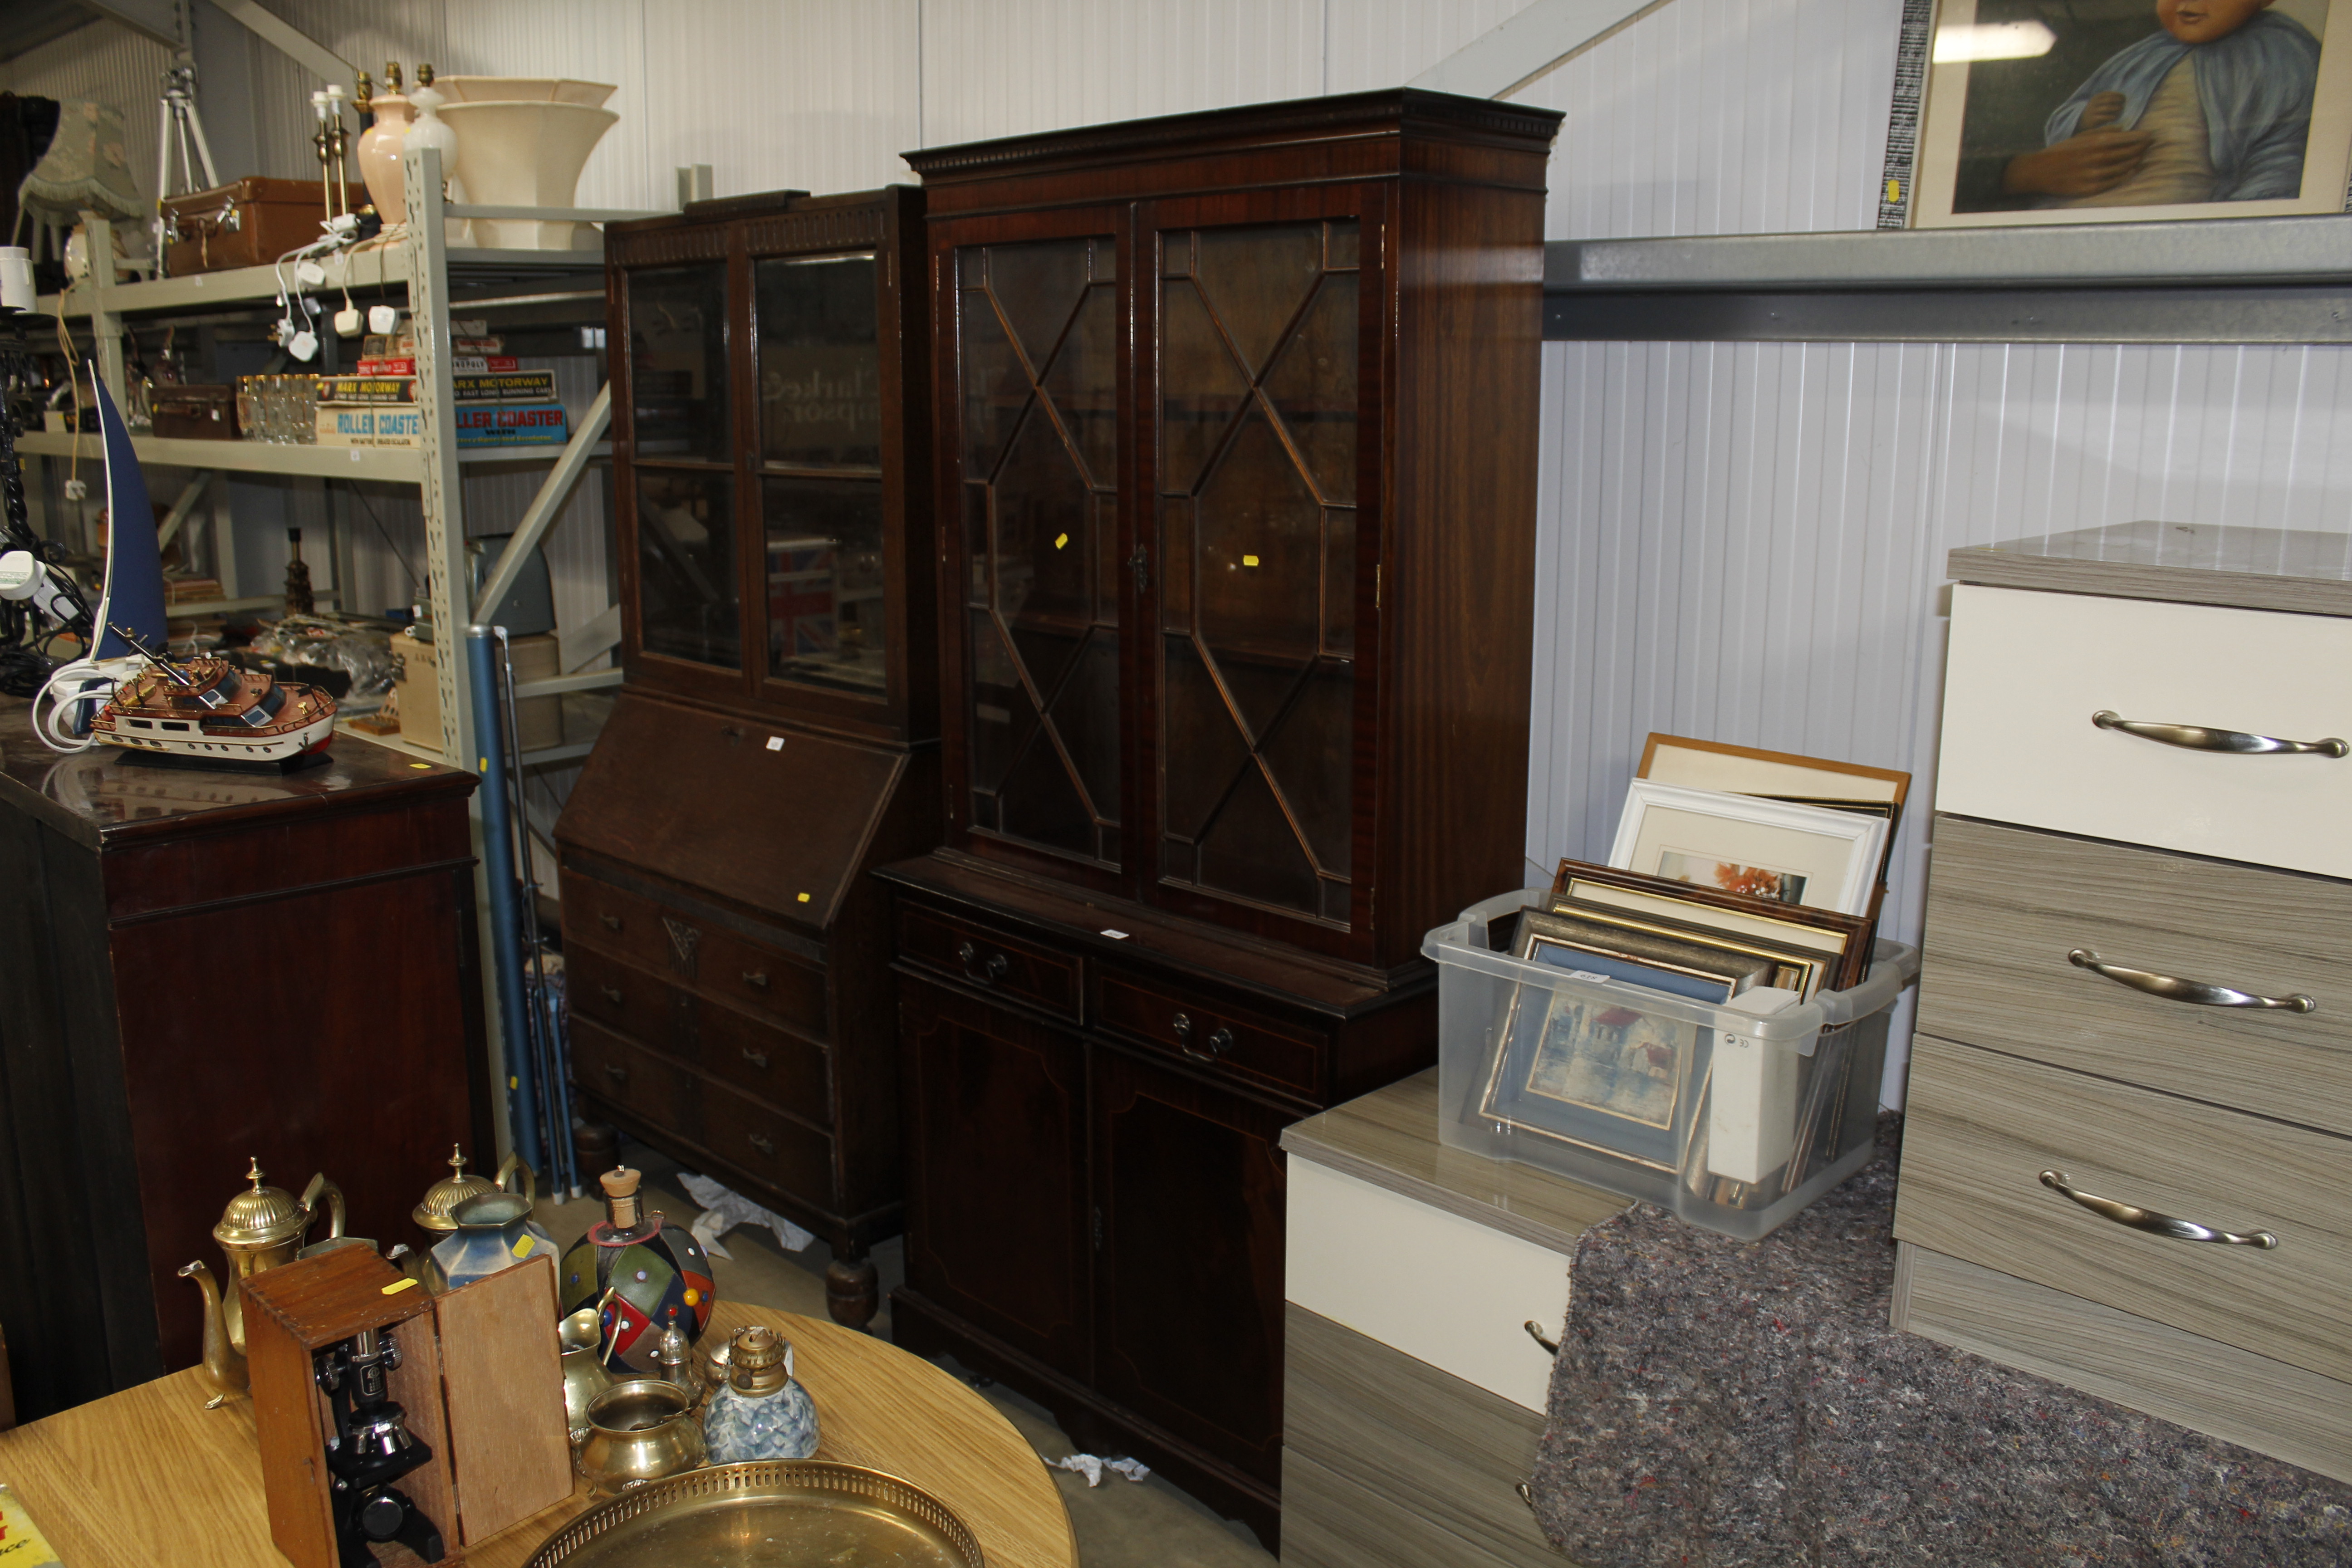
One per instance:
[(1237, 467), (776, 735)]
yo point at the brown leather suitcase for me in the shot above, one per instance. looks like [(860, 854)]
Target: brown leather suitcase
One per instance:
[(251, 222)]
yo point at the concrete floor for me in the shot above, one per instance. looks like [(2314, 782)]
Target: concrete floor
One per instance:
[(1119, 1524)]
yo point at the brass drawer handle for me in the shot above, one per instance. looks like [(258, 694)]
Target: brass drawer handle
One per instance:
[(758, 977), (2150, 1221), (1535, 1332), (617, 1073), (756, 1059), (1526, 1495), (611, 922), (612, 994), (2196, 992), (978, 971), (1219, 1042), (2197, 738), (763, 1143)]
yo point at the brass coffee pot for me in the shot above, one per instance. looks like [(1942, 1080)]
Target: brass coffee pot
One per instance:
[(261, 1229)]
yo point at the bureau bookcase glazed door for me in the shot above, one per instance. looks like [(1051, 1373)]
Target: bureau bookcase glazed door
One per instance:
[(1264, 478), (1030, 408)]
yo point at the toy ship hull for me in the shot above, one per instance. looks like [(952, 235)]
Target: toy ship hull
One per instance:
[(215, 712)]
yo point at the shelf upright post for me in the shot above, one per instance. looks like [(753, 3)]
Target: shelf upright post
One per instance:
[(105, 326), (443, 497)]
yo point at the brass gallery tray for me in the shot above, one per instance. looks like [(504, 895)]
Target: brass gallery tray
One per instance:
[(770, 1514)]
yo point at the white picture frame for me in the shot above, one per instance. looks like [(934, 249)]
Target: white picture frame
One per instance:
[(1804, 855)]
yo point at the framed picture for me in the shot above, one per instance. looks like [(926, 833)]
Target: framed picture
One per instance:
[(1744, 770), (2132, 111), (1741, 844), (1644, 955), (1841, 939)]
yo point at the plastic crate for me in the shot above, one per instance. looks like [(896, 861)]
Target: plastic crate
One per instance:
[(1734, 1116)]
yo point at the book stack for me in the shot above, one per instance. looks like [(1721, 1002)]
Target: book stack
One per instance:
[(499, 403)]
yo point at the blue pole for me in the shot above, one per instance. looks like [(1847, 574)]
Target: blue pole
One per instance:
[(498, 871)]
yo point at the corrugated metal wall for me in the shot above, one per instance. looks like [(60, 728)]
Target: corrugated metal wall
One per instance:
[(1744, 541)]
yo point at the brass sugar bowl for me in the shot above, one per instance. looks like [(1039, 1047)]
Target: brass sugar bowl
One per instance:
[(261, 1228)]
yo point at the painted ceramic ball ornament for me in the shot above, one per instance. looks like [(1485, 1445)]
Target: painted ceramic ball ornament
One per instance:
[(640, 1274)]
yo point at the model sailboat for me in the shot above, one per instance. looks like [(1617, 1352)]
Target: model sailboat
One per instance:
[(201, 710)]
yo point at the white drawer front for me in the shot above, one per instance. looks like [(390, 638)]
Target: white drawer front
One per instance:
[(1439, 1288), (2027, 670)]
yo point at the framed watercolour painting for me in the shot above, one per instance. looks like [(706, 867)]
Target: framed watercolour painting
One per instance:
[(1768, 849), (2042, 112)]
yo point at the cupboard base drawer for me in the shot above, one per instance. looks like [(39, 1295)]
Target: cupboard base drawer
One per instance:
[(2219, 1390), (1447, 1451)]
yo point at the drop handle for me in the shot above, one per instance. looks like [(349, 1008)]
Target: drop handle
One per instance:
[(758, 977), (1535, 1332), (2197, 993), (2150, 1221), (1220, 1041), (762, 1141), (978, 973), (616, 1073), (611, 922), (2199, 738), (756, 1059), (1526, 1495)]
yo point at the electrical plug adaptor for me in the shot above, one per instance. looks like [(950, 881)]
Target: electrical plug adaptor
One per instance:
[(310, 275), (77, 489), (347, 322), (303, 344), (382, 318), (345, 225)]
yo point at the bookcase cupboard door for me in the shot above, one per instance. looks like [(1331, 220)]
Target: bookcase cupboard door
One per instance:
[(997, 1186), (1263, 318), (1189, 1190), (680, 434), (1030, 331)]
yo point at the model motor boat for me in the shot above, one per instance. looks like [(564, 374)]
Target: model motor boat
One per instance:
[(210, 711)]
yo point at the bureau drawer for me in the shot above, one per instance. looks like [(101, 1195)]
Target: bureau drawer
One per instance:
[(981, 957), (774, 1149), (2005, 907), (657, 1092), (1212, 1035), (1394, 1270), (693, 950), (781, 1068), (1981, 1128), (621, 998), (2027, 670)]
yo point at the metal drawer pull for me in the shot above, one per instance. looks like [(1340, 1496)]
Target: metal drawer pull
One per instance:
[(611, 922), (1219, 1041), (758, 977), (2150, 1221), (2196, 992), (612, 994), (1526, 1495), (978, 972), (756, 1059), (762, 1141), (1535, 1332), (617, 1074), (2197, 738)]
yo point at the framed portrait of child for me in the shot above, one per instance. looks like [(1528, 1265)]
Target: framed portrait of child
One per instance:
[(2043, 111)]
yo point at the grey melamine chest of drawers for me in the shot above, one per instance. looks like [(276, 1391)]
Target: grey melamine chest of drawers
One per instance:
[(2129, 1130)]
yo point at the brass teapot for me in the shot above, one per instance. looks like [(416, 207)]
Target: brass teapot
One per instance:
[(261, 1229)]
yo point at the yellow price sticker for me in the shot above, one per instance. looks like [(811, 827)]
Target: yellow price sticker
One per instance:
[(803, 898), (1249, 560), (397, 1286), (522, 1247), (1060, 540)]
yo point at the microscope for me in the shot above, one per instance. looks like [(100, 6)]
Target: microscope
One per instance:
[(369, 1448)]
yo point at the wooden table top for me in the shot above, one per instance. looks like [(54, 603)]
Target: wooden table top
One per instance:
[(149, 1476)]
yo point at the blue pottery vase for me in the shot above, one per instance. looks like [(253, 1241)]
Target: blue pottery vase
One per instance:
[(760, 1413), (494, 1231)]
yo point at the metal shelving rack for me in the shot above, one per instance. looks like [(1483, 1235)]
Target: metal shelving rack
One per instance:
[(431, 272)]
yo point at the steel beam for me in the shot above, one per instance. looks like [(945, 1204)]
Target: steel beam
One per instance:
[(1534, 43)]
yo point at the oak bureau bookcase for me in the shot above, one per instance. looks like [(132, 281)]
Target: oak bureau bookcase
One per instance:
[(1236, 421), (777, 733)]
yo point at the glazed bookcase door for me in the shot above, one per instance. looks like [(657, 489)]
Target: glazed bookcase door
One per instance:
[(1029, 332), (1263, 484), (684, 491)]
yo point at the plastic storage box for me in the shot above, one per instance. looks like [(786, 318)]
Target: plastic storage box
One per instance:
[(1734, 1116)]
